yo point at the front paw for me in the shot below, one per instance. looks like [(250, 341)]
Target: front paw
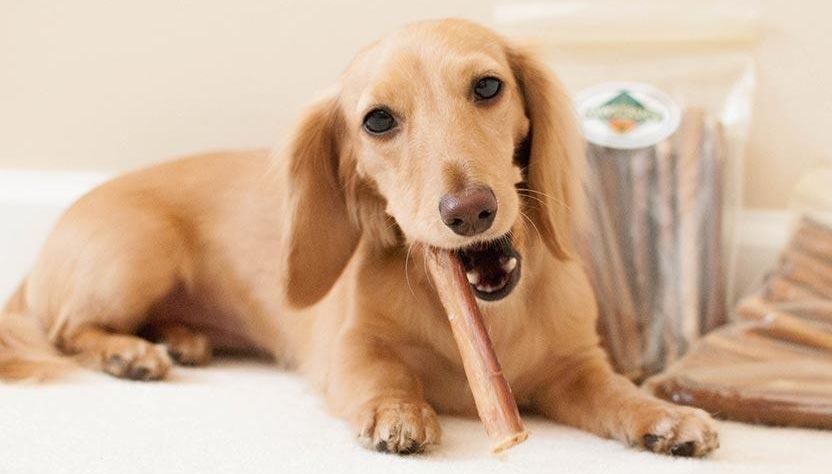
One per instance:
[(136, 359), (670, 429), (398, 425)]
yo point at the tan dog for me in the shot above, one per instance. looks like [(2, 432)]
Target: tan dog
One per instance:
[(439, 135)]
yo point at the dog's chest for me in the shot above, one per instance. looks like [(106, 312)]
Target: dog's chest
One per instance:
[(519, 349)]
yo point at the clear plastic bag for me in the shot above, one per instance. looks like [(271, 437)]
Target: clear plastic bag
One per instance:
[(664, 96), (773, 364)]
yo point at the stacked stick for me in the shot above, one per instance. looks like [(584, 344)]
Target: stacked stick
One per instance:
[(798, 293), (655, 245), (772, 365)]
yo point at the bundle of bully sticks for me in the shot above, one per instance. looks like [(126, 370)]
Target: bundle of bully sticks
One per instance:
[(773, 364), (654, 252)]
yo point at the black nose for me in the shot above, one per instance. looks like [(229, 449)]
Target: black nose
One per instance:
[(470, 211)]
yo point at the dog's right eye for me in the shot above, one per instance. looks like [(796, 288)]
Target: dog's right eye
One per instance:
[(378, 121)]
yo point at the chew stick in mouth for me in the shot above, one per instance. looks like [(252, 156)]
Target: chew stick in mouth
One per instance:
[(492, 395)]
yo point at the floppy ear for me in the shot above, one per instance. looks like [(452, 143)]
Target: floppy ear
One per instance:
[(317, 236), (554, 153)]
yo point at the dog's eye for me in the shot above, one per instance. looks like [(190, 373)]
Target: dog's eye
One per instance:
[(487, 88), (379, 121)]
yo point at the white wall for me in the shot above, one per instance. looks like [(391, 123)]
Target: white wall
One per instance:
[(111, 85)]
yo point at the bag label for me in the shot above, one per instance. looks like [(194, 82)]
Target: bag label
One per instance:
[(626, 115)]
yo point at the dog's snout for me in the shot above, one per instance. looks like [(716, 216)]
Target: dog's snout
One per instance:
[(470, 211)]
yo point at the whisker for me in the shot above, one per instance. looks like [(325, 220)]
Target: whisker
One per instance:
[(406, 273), (541, 201), (556, 200), (428, 276), (530, 221), (530, 190)]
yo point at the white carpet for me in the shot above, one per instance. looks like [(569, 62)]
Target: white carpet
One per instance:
[(249, 417)]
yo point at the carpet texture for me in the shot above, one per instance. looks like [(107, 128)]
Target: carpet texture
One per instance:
[(250, 417)]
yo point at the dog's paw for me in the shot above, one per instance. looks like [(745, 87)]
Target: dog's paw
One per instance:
[(397, 425), (674, 430), (187, 347), (135, 359)]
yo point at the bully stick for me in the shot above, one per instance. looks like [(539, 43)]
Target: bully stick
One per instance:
[(613, 168), (734, 345), (616, 306), (813, 238), (814, 274), (733, 404), (712, 280), (821, 268), (817, 310), (779, 289), (646, 201), (492, 395), (666, 231), (783, 325), (688, 206), (641, 164)]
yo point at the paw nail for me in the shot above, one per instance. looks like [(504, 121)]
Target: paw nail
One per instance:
[(650, 440), (683, 450), (115, 360), (139, 373), (411, 448), (381, 446)]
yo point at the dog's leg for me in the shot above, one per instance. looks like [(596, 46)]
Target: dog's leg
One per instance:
[(380, 396), (120, 355), (585, 393), (108, 262), (185, 345)]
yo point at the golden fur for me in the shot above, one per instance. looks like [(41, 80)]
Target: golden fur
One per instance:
[(318, 260)]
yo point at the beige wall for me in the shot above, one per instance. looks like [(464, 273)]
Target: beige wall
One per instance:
[(791, 131), (96, 84)]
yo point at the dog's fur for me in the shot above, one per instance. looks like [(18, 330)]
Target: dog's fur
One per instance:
[(316, 256)]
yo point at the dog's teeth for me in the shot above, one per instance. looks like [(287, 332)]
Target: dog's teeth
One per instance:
[(473, 277), (485, 288), (510, 265)]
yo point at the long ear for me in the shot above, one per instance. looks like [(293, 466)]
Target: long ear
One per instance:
[(555, 154), (317, 236)]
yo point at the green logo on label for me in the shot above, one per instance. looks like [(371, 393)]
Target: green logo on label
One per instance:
[(623, 113)]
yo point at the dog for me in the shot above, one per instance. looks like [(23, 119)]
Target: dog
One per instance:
[(440, 135)]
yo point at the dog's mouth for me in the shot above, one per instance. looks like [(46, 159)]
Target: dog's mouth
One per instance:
[(492, 268)]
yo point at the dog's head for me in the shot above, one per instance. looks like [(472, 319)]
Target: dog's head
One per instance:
[(441, 134)]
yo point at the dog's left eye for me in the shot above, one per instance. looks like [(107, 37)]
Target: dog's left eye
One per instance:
[(487, 88), (379, 121)]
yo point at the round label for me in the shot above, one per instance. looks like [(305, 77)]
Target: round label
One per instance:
[(627, 115)]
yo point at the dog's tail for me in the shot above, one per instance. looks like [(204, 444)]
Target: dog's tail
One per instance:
[(26, 355)]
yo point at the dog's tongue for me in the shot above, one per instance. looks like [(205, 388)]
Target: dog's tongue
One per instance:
[(492, 395)]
